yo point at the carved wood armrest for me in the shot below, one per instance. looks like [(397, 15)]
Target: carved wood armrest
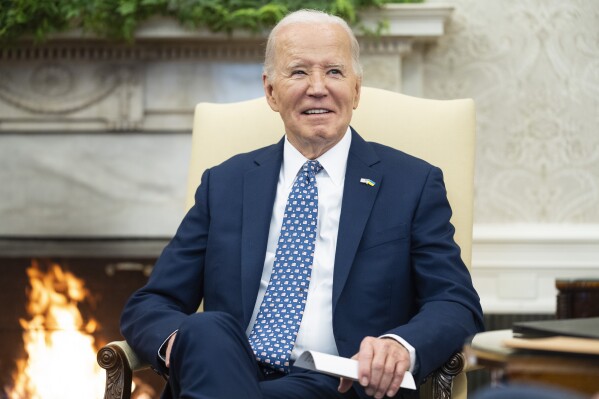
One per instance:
[(119, 361), (442, 379), (440, 382)]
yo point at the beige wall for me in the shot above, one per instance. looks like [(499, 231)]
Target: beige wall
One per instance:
[(533, 68)]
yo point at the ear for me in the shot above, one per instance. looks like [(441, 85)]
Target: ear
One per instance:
[(358, 90), (269, 92)]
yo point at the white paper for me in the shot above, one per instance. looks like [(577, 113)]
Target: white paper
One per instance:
[(340, 367)]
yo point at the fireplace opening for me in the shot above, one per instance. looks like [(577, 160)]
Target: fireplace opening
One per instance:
[(64, 308)]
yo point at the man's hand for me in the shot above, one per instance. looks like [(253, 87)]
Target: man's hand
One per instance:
[(169, 346), (382, 363)]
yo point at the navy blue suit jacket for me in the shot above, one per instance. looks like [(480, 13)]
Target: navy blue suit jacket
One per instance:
[(397, 268)]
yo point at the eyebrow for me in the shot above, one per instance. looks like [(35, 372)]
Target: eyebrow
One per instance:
[(296, 64), (299, 64)]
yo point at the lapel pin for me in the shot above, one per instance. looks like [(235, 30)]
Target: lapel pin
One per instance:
[(367, 181)]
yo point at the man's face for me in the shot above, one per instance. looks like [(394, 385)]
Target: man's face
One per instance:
[(314, 87)]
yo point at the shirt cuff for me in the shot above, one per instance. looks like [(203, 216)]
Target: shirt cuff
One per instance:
[(406, 345)]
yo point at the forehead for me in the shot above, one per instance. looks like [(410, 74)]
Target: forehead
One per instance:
[(313, 42)]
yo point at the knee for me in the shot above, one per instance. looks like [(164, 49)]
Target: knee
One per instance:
[(207, 336), (208, 327)]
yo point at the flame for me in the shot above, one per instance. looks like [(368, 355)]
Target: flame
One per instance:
[(61, 357)]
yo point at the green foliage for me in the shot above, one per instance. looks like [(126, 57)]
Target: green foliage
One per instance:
[(118, 19)]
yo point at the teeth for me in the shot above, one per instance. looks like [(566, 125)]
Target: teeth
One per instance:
[(316, 111)]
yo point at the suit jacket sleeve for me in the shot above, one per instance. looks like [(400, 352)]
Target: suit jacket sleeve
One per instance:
[(448, 307), (175, 287)]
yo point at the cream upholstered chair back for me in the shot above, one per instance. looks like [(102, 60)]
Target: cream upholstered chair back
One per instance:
[(440, 132)]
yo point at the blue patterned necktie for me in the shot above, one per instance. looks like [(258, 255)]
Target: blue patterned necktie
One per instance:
[(273, 336)]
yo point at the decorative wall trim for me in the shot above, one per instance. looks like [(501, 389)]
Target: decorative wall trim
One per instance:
[(159, 51), (79, 247), (514, 266), (424, 21), (80, 83), (385, 45), (143, 50)]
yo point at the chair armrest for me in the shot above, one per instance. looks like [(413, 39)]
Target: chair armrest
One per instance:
[(119, 361), (441, 385)]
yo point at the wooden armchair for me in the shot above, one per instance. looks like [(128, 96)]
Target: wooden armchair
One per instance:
[(441, 132)]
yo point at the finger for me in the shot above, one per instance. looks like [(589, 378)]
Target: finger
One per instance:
[(388, 376), (344, 385), (396, 382), (401, 364), (364, 357), (389, 356), (377, 368)]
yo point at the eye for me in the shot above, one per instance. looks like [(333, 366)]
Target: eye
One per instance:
[(335, 71), (297, 72)]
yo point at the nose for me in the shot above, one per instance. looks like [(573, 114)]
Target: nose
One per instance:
[(317, 85)]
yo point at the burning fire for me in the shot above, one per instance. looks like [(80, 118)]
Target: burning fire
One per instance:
[(61, 357)]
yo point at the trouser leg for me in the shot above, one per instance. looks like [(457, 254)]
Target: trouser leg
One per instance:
[(301, 384), (211, 358)]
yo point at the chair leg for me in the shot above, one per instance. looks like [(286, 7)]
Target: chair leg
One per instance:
[(442, 379), (118, 373)]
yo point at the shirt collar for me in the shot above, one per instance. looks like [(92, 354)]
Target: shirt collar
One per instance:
[(334, 161)]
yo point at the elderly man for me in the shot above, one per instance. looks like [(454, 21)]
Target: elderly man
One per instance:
[(321, 242)]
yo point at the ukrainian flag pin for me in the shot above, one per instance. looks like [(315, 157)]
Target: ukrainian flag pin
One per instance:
[(367, 181)]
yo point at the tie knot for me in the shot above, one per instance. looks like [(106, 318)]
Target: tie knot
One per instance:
[(312, 167)]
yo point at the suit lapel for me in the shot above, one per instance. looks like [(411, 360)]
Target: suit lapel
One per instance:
[(259, 190), (358, 199)]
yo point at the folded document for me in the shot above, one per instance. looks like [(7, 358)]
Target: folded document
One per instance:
[(339, 367)]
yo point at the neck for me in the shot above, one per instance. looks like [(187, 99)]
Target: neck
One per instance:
[(312, 149)]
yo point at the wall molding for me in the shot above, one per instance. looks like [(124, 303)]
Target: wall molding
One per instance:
[(76, 82), (169, 48), (514, 266)]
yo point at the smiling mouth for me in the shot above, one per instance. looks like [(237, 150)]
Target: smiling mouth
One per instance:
[(316, 111)]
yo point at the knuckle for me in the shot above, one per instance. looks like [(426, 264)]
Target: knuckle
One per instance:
[(367, 341), (398, 375), (364, 343), (378, 366), (390, 369)]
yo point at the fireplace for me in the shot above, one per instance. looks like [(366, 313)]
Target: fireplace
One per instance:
[(110, 271)]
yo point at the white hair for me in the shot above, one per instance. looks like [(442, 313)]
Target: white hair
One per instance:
[(309, 17)]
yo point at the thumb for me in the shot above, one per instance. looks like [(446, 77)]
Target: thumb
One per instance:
[(169, 347), (344, 385)]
